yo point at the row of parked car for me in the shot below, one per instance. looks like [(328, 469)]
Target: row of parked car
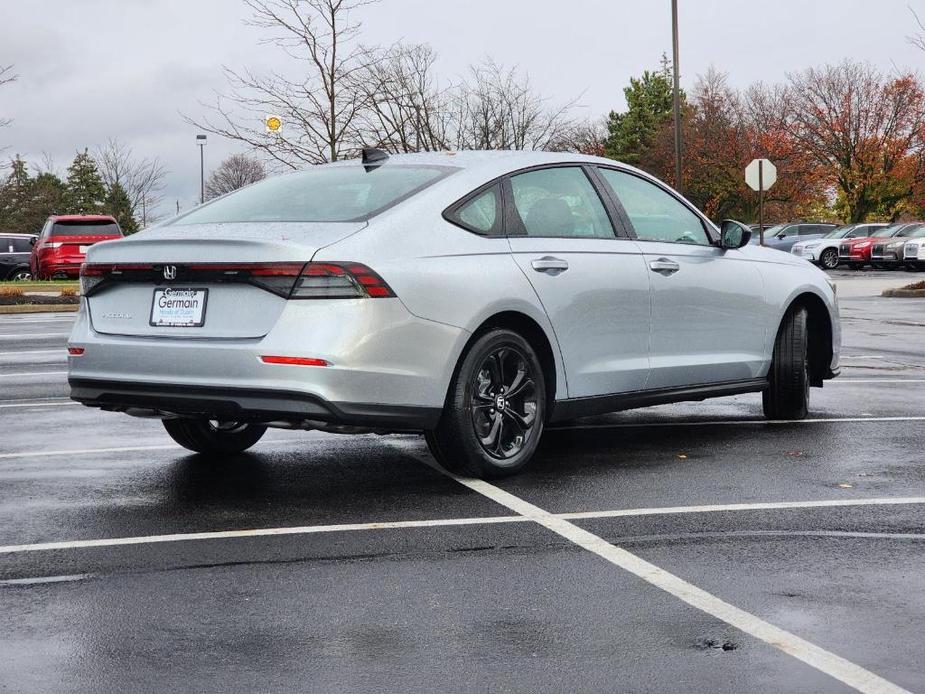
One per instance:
[(880, 245), (58, 250)]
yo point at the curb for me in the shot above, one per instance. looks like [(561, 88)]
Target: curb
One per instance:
[(38, 308), (904, 293)]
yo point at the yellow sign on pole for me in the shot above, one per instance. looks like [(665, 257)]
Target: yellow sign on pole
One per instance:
[(274, 124)]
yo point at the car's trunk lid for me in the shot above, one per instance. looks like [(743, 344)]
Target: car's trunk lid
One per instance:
[(216, 261)]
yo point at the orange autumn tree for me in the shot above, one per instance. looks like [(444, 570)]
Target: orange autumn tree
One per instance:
[(865, 131), (722, 131)]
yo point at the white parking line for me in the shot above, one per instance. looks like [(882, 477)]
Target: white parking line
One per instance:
[(841, 381), (619, 425), (744, 422), (83, 451), (60, 350), (441, 522), (34, 373), (50, 403), (24, 336), (825, 661)]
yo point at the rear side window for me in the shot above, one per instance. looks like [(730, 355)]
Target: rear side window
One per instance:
[(320, 194), (655, 214), (560, 202), (481, 214), (85, 229), (20, 245)]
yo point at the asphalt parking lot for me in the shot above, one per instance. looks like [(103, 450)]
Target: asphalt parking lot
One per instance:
[(691, 547)]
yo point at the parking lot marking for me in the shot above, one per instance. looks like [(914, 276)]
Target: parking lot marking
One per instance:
[(34, 373), (755, 506), (82, 451), (23, 336), (257, 532), (841, 381), (59, 350), (729, 422), (825, 661), (441, 522), (55, 403)]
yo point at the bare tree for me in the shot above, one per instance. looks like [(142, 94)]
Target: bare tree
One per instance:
[(918, 38), (6, 76), (497, 108), (319, 106), (235, 172), (141, 178), (405, 108)]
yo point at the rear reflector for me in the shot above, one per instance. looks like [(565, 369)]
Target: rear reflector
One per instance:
[(294, 361), (75, 351)]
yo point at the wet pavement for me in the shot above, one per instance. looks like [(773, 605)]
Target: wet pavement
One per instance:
[(326, 563)]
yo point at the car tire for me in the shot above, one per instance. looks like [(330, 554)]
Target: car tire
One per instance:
[(20, 274), (495, 410), (829, 258), (787, 395), (213, 438)]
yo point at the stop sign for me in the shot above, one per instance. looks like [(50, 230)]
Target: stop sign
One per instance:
[(767, 171)]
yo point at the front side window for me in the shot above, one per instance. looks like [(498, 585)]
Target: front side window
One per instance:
[(560, 202), (338, 193), (655, 214)]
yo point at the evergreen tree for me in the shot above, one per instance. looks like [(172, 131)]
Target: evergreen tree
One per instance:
[(86, 193), (119, 206), (648, 107), (14, 196)]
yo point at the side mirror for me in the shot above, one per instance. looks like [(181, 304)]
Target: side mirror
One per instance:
[(782, 235), (734, 234), (32, 240)]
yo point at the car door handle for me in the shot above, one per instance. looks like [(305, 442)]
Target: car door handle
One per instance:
[(663, 266), (549, 264)]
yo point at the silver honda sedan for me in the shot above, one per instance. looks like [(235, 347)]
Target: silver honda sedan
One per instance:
[(476, 297)]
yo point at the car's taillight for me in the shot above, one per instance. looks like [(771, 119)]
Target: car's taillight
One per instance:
[(92, 275), (54, 244), (339, 281)]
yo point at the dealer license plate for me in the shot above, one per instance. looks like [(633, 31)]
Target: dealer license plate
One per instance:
[(179, 307)]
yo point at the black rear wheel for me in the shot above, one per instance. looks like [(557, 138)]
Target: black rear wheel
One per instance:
[(787, 396), (213, 437), (494, 414)]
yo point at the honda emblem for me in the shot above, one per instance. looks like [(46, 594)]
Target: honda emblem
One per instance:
[(170, 272)]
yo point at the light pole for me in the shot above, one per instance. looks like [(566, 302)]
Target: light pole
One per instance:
[(677, 98), (201, 141)]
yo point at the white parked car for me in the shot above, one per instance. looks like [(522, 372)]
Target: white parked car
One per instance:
[(824, 251)]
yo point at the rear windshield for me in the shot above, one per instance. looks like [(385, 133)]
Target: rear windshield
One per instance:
[(320, 194), (85, 229), (839, 232)]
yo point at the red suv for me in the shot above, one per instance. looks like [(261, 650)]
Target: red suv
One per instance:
[(63, 242)]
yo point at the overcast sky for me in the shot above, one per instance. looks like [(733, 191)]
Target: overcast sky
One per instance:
[(93, 69)]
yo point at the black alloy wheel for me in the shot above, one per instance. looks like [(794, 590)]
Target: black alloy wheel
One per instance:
[(495, 408), (503, 403)]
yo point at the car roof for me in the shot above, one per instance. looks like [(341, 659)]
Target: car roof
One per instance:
[(82, 218), (494, 161)]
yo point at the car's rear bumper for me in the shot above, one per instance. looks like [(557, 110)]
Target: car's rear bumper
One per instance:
[(378, 354), (245, 404)]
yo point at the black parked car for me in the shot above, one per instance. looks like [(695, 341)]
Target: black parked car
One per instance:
[(15, 250)]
